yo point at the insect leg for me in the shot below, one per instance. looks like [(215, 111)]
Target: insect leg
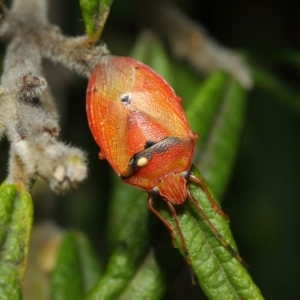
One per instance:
[(215, 206), (216, 232), (172, 233), (186, 252), (167, 224)]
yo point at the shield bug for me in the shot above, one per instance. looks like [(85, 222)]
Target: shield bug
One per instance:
[(141, 128)]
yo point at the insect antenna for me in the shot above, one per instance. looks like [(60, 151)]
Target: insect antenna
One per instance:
[(215, 230)]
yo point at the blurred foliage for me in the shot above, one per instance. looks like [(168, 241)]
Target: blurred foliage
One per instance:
[(263, 191), (16, 220), (77, 268)]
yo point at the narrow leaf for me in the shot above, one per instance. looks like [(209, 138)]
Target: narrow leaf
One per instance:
[(221, 109), (220, 275), (91, 269), (154, 275), (146, 283), (204, 106), (277, 88), (76, 268), (128, 253), (16, 214), (219, 120), (150, 51), (95, 13), (120, 204)]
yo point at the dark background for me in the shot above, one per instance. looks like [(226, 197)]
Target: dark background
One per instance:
[(263, 198)]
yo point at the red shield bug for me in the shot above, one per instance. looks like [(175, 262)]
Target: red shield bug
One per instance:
[(140, 126)]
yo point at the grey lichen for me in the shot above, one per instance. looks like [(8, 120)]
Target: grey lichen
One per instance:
[(28, 114)]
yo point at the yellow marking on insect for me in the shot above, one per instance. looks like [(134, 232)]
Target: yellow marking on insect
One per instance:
[(142, 161)]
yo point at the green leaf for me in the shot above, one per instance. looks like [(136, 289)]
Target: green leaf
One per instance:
[(217, 113), (147, 282), (95, 13), (91, 269), (77, 269), (152, 280), (150, 51), (220, 275), (120, 205), (16, 215), (131, 248), (90, 9)]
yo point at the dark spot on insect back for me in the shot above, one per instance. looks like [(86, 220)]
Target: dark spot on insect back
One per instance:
[(126, 99), (149, 144)]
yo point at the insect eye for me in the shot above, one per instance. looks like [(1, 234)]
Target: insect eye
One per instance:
[(155, 191), (126, 98), (186, 174)]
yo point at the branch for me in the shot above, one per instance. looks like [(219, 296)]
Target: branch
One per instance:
[(28, 114), (189, 41), (72, 53)]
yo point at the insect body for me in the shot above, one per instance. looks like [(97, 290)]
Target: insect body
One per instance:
[(140, 126)]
